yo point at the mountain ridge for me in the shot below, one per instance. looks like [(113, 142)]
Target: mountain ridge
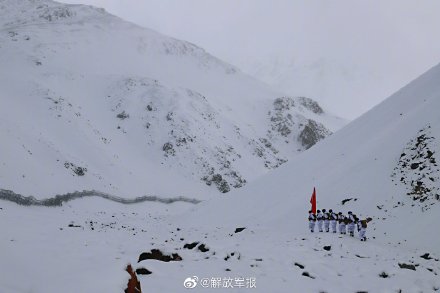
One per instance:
[(126, 110)]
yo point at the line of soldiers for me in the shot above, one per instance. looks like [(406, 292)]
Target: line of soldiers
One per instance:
[(346, 223)]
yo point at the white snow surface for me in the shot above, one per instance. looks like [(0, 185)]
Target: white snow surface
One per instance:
[(85, 245), (85, 92), (41, 253)]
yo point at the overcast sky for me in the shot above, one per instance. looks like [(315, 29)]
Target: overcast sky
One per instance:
[(390, 42)]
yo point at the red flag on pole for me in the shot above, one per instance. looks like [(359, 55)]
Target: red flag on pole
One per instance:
[(313, 201)]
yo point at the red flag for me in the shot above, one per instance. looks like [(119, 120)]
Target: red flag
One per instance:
[(313, 201)]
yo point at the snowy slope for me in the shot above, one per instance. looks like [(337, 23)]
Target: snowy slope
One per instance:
[(363, 161), (89, 101), (386, 162), (85, 245), (91, 240)]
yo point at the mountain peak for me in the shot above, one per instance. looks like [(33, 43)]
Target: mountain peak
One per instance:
[(137, 100)]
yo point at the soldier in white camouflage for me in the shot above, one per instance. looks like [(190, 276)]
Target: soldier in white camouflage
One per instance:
[(312, 220), (363, 231), (333, 220), (326, 220), (351, 223), (320, 219), (341, 220)]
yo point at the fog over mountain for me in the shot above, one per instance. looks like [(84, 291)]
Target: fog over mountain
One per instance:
[(347, 55)]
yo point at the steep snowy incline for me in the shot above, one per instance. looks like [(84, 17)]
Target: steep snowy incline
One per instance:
[(386, 162), (89, 101)]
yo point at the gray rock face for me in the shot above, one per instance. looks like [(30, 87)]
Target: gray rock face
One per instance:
[(312, 133), (417, 168), (217, 179), (168, 148), (123, 115), (311, 105), (77, 170), (289, 120)]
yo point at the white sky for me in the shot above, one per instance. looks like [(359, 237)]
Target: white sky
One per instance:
[(380, 45)]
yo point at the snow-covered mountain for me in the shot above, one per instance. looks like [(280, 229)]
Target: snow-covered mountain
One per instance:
[(383, 165), (89, 101), (386, 161), (114, 122)]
